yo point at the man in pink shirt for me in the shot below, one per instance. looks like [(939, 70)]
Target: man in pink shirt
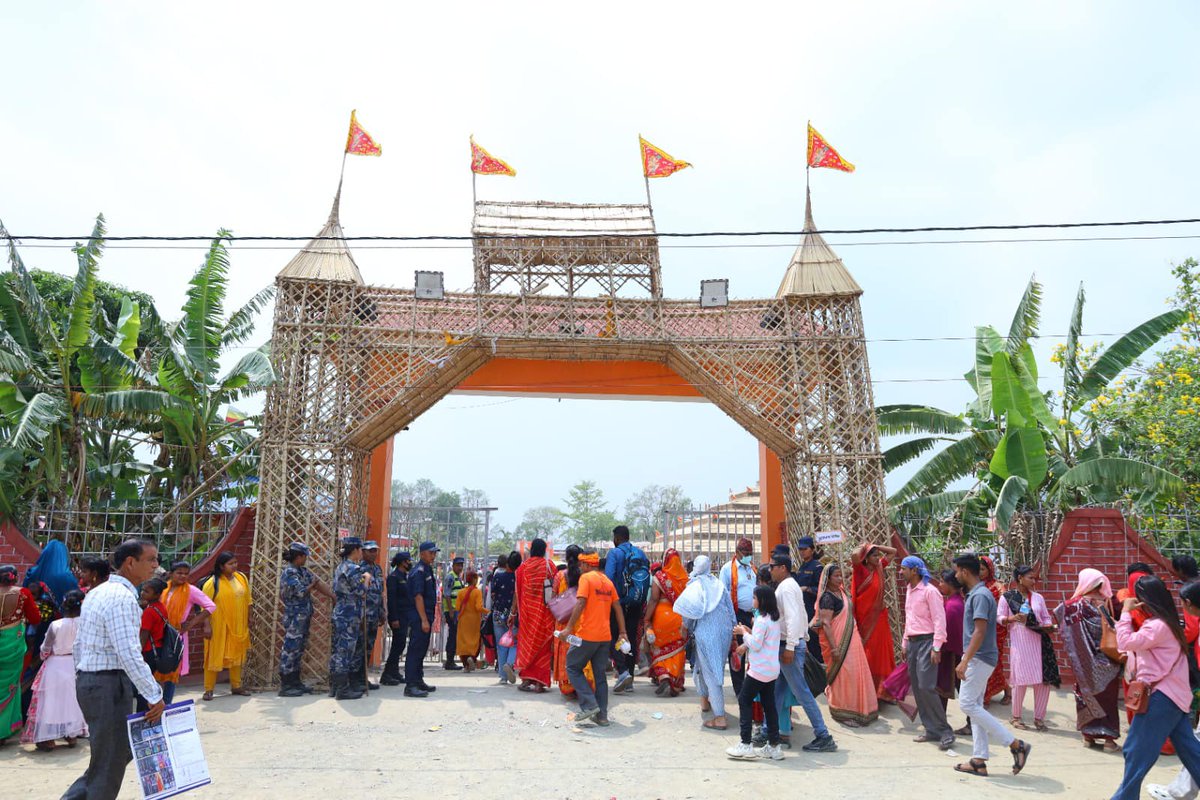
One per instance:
[(924, 635)]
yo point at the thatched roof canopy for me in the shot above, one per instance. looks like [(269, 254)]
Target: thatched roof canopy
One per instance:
[(815, 270), (323, 258)]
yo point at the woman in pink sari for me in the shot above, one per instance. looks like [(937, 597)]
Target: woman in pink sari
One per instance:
[(533, 619), (851, 691)]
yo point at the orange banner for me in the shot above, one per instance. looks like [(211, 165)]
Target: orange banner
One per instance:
[(484, 163), (656, 163), (359, 142), (820, 154)]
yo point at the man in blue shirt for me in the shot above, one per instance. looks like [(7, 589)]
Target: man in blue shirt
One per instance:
[(422, 591), (741, 568), (629, 571)]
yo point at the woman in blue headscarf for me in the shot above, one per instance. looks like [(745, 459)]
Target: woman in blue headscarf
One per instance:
[(54, 570)]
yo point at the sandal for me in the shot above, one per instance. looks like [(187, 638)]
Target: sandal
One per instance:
[(709, 724), (1110, 746), (923, 738), (1020, 753), (206, 696), (71, 741), (976, 766), (1040, 725), (1019, 724), (46, 746), (240, 691)]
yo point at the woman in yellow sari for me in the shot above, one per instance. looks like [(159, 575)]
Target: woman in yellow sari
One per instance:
[(851, 690), (664, 628), (226, 647), (180, 599), (469, 606)]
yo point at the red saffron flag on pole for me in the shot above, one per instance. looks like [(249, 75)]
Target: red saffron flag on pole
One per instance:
[(656, 163), (484, 163), (359, 142), (821, 154)]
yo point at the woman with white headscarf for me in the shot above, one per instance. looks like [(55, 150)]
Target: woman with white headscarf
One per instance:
[(708, 614)]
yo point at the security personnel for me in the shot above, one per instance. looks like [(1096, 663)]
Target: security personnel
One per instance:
[(296, 584), (398, 607), (422, 593), (808, 575), (373, 608), (349, 589), (452, 584)]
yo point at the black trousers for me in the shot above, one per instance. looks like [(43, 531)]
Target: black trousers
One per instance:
[(414, 662), (736, 676), (106, 699), (763, 691), (451, 636), (399, 640), (633, 618)]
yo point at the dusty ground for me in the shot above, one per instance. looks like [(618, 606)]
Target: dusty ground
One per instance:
[(475, 736)]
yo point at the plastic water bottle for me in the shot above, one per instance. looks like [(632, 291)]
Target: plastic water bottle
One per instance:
[(574, 640), (1025, 608), (625, 647)]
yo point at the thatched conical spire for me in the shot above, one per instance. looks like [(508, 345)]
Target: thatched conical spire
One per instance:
[(815, 269), (326, 257)]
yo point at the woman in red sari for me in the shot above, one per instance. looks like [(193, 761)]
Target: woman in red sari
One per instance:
[(999, 681), (534, 621), (664, 628), (870, 612)]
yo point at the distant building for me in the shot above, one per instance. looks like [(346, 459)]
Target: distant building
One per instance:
[(712, 531)]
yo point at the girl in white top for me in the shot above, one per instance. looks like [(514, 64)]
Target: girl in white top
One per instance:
[(761, 645)]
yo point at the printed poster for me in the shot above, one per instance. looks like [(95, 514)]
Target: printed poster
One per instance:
[(167, 753)]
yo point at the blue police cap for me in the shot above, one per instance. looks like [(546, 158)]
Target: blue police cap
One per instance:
[(352, 541), (805, 541), (427, 546), (299, 547), (370, 544), (459, 560), (403, 555)]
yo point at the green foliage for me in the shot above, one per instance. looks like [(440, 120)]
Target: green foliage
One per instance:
[(588, 518), (644, 511)]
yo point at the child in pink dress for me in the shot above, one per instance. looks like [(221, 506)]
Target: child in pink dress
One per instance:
[(54, 712)]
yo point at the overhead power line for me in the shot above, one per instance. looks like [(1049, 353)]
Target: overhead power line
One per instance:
[(672, 235)]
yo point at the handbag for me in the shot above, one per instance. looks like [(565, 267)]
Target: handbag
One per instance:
[(548, 583), (814, 673), (1137, 693), (1108, 639), (563, 605), (508, 640)]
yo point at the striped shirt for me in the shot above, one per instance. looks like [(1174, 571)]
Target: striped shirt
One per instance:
[(108, 636)]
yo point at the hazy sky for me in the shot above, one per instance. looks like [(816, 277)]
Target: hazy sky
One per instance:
[(179, 119)]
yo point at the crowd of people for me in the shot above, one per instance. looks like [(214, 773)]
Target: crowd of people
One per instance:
[(78, 648)]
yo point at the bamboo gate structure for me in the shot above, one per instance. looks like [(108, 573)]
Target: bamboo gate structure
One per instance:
[(357, 363)]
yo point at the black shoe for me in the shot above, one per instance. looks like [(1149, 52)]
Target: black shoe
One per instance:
[(304, 687), (391, 680), (288, 686), (415, 691), (824, 744), (342, 688), (332, 686), (425, 687), (452, 667)]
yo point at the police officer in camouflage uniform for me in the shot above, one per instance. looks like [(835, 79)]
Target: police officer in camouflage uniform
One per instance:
[(373, 608), (296, 585), (349, 588)]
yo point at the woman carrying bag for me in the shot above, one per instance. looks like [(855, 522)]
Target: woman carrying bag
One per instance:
[(1159, 694)]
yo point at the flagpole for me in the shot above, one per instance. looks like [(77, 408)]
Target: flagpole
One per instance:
[(474, 200), (649, 205)]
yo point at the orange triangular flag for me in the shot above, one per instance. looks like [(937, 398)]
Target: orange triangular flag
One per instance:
[(656, 163), (484, 163), (820, 154), (359, 142)]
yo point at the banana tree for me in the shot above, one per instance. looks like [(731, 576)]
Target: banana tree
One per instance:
[(1014, 447)]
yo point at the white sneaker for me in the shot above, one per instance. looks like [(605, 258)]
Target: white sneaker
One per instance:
[(1159, 792), (771, 751), (742, 751)]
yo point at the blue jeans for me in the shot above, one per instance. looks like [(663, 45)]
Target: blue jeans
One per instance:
[(1163, 720), (793, 674), (504, 655)]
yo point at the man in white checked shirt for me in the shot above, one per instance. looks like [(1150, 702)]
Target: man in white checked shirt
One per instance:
[(108, 665)]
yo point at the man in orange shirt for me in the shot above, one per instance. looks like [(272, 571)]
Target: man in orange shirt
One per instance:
[(590, 637)]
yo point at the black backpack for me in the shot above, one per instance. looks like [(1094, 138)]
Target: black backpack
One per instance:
[(169, 655), (636, 578)]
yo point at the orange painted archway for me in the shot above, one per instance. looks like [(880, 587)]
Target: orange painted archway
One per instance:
[(629, 380)]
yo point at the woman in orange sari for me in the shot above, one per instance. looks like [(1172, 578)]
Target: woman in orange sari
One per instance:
[(998, 682), (664, 628), (567, 580), (870, 613), (851, 691), (533, 619)]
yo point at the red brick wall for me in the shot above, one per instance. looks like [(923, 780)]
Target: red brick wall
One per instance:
[(15, 549), (1099, 538)]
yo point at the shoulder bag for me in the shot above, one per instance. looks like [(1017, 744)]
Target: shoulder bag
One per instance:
[(1108, 638)]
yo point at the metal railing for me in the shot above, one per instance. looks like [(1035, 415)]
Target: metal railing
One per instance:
[(712, 531), (1173, 531), (1029, 539)]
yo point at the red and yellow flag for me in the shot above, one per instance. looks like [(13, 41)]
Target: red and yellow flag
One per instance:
[(820, 154), (656, 163), (359, 142), (484, 163)]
